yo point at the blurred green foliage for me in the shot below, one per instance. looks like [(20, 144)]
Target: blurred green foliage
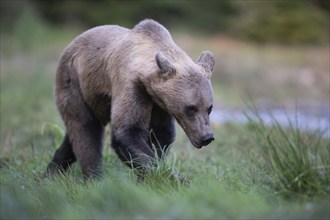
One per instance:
[(301, 21), (279, 21), (203, 15)]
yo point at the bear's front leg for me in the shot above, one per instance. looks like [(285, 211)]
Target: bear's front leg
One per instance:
[(132, 147), (130, 121), (162, 126)]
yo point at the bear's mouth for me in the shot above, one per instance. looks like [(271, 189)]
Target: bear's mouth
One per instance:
[(202, 143), (198, 146)]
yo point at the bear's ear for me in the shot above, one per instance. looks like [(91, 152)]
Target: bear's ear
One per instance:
[(166, 69), (207, 60)]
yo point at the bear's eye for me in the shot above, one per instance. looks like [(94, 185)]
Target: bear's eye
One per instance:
[(190, 110), (209, 110)]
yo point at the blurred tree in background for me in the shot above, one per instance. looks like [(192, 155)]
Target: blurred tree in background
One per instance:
[(207, 15), (280, 21), (296, 21)]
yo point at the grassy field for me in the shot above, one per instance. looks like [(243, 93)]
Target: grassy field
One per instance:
[(250, 171)]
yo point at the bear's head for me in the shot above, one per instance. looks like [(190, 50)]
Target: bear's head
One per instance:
[(184, 90)]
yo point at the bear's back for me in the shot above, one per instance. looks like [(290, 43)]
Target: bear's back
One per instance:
[(101, 37), (110, 37)]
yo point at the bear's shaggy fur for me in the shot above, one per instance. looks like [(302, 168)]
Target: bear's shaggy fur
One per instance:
[(139, 80)]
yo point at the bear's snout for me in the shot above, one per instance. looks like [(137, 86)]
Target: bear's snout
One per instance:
[(207, 139)]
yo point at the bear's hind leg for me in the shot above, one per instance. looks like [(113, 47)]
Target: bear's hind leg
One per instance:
[(84, 130), (62, 158), (87, 138)]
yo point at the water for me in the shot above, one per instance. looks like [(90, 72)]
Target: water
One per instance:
[(306, 119)]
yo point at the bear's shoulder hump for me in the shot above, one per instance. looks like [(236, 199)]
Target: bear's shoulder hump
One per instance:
[(152, 29)]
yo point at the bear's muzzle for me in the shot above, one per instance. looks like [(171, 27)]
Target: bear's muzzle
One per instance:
[(207, 139)]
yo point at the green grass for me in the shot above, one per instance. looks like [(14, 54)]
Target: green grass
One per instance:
[(299, 161), (250, 171), (230, 179)]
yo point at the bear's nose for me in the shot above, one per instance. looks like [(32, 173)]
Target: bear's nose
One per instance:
[(207, 139)]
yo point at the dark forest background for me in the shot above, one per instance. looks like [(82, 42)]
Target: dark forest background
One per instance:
[(279, 21)]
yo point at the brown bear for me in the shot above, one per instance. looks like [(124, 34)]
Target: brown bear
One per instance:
[(139, 81)]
